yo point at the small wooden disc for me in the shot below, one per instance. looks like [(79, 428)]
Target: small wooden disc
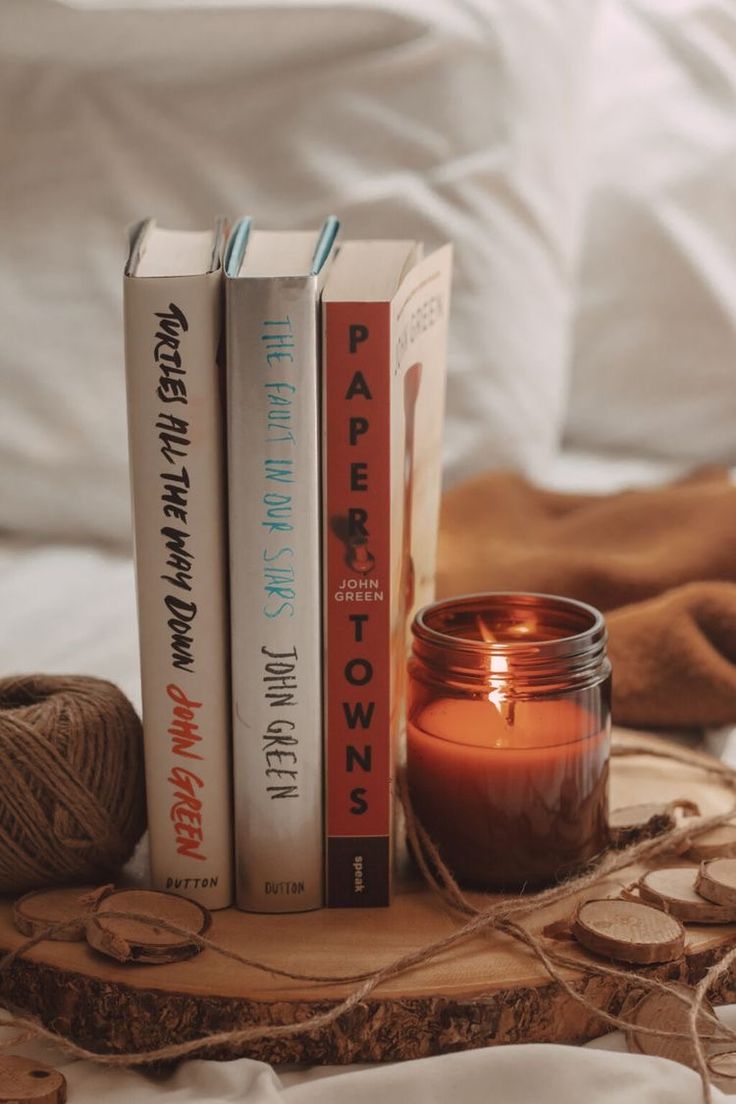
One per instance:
[(628, 931), (667, 1012), (134, 940), (719, 843), (675, 889), (22, 1079), (36, 911), (717, 881), (723, 1065), (634, 822)]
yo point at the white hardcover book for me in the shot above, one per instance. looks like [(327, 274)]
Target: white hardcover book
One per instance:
[(173, 329), (273, 284)]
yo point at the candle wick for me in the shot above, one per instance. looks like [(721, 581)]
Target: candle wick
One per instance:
[(485, 632)]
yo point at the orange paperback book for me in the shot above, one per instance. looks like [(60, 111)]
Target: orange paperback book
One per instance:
[(385, 313)]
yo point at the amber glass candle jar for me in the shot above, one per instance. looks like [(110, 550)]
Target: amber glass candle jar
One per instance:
[(508, 736)]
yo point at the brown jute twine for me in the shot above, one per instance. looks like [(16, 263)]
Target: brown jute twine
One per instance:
[(72, 794), (504, 915)]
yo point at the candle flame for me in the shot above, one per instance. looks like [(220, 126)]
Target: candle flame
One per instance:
[(498, 666)]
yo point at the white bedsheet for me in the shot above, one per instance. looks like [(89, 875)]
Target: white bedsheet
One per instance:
[(70, 609)]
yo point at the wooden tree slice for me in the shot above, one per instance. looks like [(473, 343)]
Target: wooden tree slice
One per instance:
[(724, 1064), (675, 890), (717, 881), (628, 931), (669, 1012), (136, 941), (36, 911), (634, 822), (719, 843), (22, 1079)]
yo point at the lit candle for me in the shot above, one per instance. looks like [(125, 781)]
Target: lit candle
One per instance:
[(508, 736)]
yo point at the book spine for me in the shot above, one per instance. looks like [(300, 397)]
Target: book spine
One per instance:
[(357, 544), (172, 335), (276, 616)]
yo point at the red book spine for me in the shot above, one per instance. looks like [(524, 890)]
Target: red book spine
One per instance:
[(357, 504)]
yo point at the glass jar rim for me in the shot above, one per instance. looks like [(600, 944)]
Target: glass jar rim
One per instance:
[(590, 623), (579, 642)]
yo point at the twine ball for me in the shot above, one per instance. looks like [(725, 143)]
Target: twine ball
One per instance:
[(72, 794)]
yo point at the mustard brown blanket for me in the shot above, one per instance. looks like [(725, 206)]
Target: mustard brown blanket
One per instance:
[(660, 563)]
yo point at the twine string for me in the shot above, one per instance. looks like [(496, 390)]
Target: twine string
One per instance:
[(72, 802)]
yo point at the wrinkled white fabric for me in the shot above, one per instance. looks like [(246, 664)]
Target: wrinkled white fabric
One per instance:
[(407, 118), (654, 365), (69, 610), (531, 1074)]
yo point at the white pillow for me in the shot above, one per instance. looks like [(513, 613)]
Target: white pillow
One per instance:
[(654, 368), (409, 118)]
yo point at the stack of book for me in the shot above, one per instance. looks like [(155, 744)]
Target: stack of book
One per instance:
[(285, 404)]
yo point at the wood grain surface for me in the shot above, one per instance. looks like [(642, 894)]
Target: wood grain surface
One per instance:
[(675, 889), (25, 1081)]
